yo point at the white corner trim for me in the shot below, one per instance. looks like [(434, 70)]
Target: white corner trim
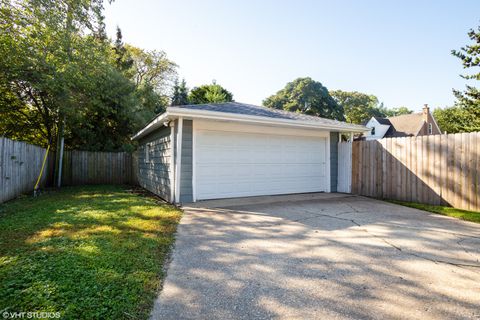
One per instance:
[(194, 167), (328, 160), (178, 159), (172, 162)]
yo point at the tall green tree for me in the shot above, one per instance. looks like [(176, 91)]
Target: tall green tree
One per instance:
[(180, 93), (470, 57), (209, 93), (153, 75), (464, 116), (59, 70), (307, 96), (42, 45), (123, 60)]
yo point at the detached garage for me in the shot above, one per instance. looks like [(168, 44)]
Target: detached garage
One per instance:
[(212, 151)]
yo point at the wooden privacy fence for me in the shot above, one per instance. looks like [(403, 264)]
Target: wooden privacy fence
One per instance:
[(437, 169), (20, 165), (87, 167)]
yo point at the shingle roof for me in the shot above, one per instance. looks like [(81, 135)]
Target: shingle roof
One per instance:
[(405, 125), (245, 112), (383, 121), (253, 110)]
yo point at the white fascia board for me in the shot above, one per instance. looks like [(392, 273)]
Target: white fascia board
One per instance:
[(158, 122), (173, 113), (215, 115)]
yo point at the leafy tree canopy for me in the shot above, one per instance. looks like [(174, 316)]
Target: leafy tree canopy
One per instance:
[(457, 119), (360, 107), (57, 63), (43, 45), (396, 111), (209, 93), (307, 96)]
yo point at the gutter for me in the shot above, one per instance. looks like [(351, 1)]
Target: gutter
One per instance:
[(159, 121)]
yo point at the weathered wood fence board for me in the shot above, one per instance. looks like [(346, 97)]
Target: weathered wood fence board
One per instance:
[(86, 167), (438, 169), (20, 165)]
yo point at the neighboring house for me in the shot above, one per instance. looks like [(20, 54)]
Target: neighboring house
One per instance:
[(211, 151), (408, 125)]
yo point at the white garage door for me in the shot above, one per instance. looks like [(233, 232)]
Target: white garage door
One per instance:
[(235, 164)]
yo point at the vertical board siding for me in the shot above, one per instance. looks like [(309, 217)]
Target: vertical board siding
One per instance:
[(92, 167), (437, 169), (344, 167), (20, 165)]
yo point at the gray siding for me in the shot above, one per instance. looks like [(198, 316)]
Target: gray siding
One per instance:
[(186, 191), (154, 175), (333, 161)]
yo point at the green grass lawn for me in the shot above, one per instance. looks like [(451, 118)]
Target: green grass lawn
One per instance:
[(472, 216), (93, 252)]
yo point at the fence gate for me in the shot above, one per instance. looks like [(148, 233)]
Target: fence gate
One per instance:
[(344, 183)]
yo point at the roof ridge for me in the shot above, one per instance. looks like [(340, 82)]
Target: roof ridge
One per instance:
[(406, 115)]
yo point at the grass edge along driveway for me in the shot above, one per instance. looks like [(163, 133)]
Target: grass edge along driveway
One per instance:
[(91, 252), (472, 216)]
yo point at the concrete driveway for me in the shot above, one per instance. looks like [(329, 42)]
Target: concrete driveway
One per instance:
[(320, 256)]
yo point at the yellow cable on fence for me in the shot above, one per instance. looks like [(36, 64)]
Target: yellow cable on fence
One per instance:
[(41, 171)]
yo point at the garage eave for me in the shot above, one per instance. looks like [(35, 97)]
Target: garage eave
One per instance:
[(159, 121), (175, 112)]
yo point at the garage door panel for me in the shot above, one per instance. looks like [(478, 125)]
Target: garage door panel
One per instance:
[(231, 164)]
